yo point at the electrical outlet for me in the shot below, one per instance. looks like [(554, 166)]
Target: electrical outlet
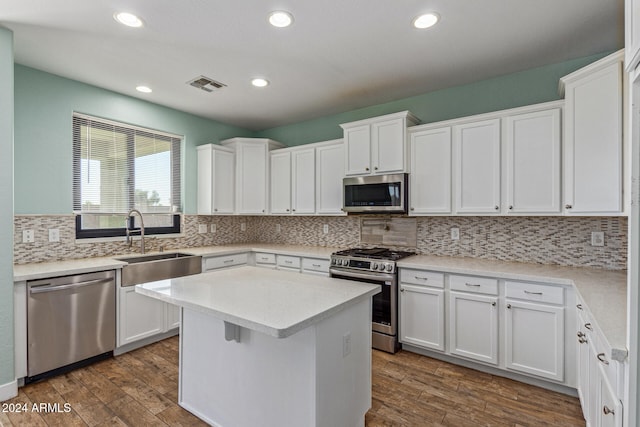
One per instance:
[(28, 236), (54, 235), (455, 233), (213, 228), (243, 226), (597, 238), (202, 228), (278, 228), (325, 228), (346, 344)]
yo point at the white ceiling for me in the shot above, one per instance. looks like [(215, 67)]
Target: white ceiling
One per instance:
[(338, 55)]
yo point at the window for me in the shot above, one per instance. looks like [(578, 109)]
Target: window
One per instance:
[(118, 167)]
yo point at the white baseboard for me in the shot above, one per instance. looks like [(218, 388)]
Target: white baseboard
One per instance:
[(8, 390)]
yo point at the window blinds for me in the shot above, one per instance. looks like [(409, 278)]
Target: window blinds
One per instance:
[(118, 167)]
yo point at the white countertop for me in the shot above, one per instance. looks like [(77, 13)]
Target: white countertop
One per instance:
[(603, 291), (274, 302)]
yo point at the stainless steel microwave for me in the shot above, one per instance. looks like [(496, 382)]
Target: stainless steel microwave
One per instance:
[(375, 194)]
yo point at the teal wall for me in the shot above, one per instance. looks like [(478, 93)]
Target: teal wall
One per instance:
[(43, 107), (508, 91), (6, 208)]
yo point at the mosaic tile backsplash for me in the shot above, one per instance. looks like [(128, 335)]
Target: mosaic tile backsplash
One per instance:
[(543, 240)]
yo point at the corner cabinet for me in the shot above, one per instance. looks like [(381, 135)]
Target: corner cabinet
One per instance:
[(252, 173), (593, 139), (216, 180), (377, 145)]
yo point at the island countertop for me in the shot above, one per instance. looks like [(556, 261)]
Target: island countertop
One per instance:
[(277, 303)]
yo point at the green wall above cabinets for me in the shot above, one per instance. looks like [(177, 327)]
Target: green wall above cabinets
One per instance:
[(43, 106), (500, 93)]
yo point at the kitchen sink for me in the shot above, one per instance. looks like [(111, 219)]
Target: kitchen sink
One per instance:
[(149, 268)]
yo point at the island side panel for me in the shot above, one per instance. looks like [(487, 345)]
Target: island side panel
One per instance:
[(260, 380), (344, 367)]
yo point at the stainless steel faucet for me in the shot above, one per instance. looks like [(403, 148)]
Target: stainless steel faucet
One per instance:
[(128, 230)]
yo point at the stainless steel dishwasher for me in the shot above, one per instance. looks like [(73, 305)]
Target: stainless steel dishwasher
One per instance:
[(70, 320)]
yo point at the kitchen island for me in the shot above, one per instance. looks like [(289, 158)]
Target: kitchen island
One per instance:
[(272, 348)]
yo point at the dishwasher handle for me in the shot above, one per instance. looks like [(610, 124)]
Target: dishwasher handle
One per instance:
[(55, 288)]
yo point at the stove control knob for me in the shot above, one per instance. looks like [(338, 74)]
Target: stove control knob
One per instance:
[(389, 267), (374, 266), (345, 262), (340, 261)]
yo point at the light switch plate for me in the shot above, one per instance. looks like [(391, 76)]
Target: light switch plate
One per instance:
[(325, 228), (455, 233), (214, 228), (28, 236), (202, 228), (278, 228), (243, 226)]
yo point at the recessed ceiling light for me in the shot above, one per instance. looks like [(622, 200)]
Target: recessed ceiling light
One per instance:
[(280, 18), (426, 21), (128, 19), (260, 82), (144, 89)]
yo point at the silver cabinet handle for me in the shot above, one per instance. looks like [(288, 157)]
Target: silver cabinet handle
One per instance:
[(508, 305), (475, 285), (497, 207), (607, 411), (288, 262), (582, 340), (579, 306), (367, 169), (510, 207), (493, 304), (532, 293), (588, 326), (568, 206), (413, 209), (401, 289), (228, 261), (421, 278), (316, 265), (287, 209), (375, 168), (601, 358), (580, 334), (215, 210)]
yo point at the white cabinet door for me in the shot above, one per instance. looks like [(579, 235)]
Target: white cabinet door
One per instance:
[(422, 316), (610, 408), (357, 142), (632, 34), (140, 316), (477, 166), (216, 180), (534, 341), (430, 186), (329, 174), (281, 182), (473, 322), (583, 353), (172, 316), (533, 162), (224, 171), (388, 146), (251, 178), (593, 143), (303, 190)]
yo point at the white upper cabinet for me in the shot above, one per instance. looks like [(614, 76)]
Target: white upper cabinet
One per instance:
[(216, 176), (377, 145), (252, 173), (303, 168), (329, 174), (280, 182), (532, 144), (477, 167), (430, 178), (632, 34), (593, 145)]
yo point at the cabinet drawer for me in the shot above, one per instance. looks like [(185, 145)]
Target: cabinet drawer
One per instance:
[(288, 261), (420, 277), (535, 292), (479, 285), (265, 258), (313, 264), (213, 263)]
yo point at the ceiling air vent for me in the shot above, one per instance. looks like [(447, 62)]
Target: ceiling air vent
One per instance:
[(206, 84)]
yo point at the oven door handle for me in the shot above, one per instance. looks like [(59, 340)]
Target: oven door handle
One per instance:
[(376, 277)]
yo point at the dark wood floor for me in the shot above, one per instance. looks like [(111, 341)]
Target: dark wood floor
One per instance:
[(140, 388)]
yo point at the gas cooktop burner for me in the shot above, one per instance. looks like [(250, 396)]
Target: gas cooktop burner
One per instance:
[(375, 253)]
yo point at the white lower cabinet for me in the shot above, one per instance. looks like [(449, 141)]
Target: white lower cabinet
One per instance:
[(288, 262), (224, 261), (534, 341), (140, 316), (172, 316), (473, 322), (422, 316), (315, 266), (265, 260)]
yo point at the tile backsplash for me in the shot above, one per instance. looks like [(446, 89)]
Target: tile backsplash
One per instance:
[(542, 240)]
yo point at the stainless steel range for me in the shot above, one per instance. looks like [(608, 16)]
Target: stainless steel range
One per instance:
[(375, 265)]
